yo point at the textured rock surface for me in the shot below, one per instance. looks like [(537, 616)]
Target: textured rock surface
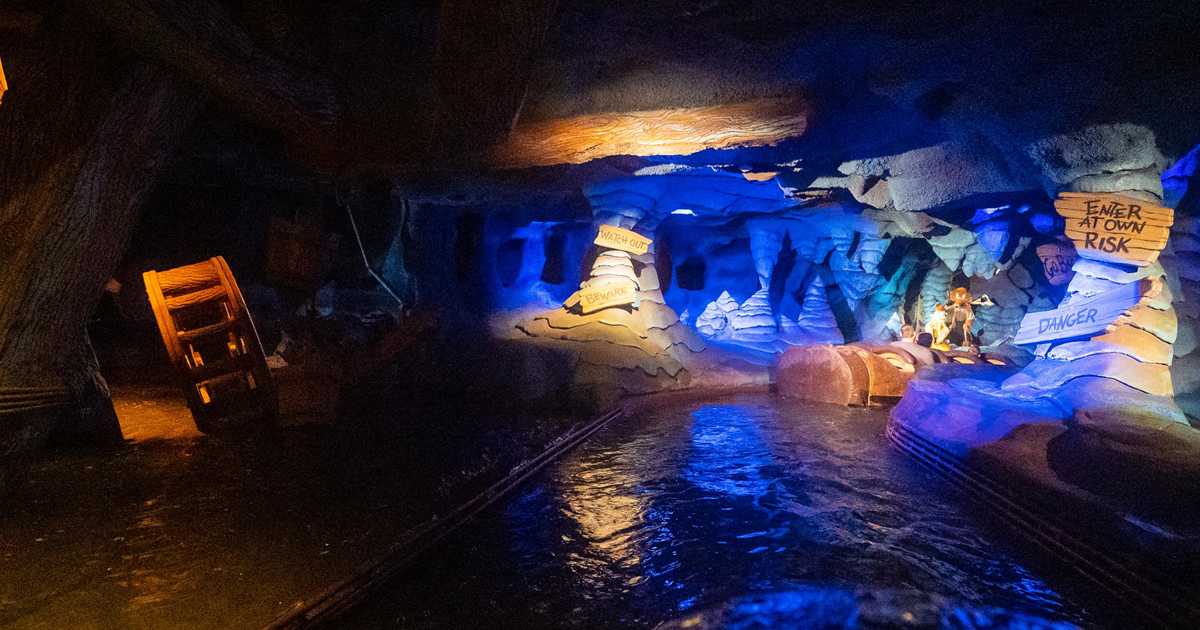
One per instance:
[(815, 323), (931, 177), (1102, 153), (933, 289), (1012, 292)]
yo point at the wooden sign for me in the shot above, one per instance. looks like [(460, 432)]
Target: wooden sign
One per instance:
[(606, 295), (614, 237), (1057, 260), (1115, 228), (1080, 318)]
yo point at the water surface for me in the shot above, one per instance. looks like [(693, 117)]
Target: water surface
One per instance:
[(688, 505)]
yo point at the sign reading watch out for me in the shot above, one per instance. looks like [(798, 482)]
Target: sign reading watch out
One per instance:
[(614, 237)]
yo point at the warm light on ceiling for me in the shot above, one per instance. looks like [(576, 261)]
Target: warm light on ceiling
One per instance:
[(680, 131), (3, 83)]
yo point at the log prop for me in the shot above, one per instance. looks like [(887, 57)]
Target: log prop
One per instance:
[(851, 375), (212, 343)]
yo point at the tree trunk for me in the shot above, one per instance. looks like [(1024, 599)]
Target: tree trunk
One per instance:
[(81, 144), (91, 419)]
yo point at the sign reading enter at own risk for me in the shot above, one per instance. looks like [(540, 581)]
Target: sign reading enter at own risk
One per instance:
[(614, 237), (1115, 228)]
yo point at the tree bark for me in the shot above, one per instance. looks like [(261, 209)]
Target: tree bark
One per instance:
[(91, 418), (82, 141), (483, 61), (199, 40)]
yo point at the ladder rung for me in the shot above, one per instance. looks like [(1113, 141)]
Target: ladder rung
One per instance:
[(211, 294), (239, 400), (189, 336), (236, 365), (188, 277)]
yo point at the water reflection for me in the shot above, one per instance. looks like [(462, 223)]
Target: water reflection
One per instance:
[(728, 455), (690, 506)]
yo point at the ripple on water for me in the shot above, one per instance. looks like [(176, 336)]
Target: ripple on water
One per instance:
[(690, 505)]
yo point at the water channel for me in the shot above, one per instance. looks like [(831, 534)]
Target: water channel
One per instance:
[(686, 506)]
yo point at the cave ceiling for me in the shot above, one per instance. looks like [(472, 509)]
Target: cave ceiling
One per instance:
[(460, 100)]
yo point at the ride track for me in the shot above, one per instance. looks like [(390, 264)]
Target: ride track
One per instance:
[(1146, 590)]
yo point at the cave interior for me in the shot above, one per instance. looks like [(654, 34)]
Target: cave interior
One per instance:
[(456, 229)]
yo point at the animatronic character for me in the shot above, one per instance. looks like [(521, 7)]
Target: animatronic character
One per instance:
[(938, 328), (959, 317)]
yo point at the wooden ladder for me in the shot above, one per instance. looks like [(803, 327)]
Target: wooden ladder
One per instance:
[(211, 341)]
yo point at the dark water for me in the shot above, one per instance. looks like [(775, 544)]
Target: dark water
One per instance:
[(687, 506)]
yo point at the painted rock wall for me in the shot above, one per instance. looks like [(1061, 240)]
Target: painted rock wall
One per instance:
[(1118, 234)]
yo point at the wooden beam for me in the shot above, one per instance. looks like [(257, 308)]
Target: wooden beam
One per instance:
[(680, 131)]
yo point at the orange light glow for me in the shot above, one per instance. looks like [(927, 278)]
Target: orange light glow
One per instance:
[(681, 131), (3, 82)]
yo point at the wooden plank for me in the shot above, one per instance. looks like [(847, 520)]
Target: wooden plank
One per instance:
[(1149, 212), (606, 296), (166, 324), (211, 294), (14, 411), (1079, 212), (188, 278), (1115, 228), (614, 237), (1137, 257), (1078, 319), (9, 401), (1152, 235), (188, 336), (236, 365)]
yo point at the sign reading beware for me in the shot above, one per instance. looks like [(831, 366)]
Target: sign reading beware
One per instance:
[(1080, 318), (614, 237), (596, 298), (1115, 228)]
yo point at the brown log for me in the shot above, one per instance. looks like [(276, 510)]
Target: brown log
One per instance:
[(819, 373)]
